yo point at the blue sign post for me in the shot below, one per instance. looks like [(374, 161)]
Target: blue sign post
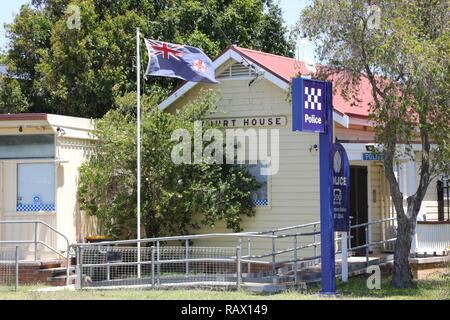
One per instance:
[(312, 112)]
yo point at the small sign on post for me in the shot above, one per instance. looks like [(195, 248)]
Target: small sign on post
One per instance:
[(371, 156), (340, 173), (341, 187)]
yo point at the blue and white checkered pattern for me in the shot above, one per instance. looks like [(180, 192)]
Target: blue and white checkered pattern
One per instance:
[(261, 202), (312, 98), (35, 207)]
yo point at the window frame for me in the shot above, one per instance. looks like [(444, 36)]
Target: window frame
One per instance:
[(269, 190), (53, 156), (55, 189)]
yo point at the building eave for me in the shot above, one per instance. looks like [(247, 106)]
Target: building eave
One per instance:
[(64, 126)]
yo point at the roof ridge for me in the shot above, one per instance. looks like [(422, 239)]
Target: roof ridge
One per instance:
[(266, 53)]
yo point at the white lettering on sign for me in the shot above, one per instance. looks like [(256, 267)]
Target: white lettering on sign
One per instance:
[(313, 119), (339, 181)]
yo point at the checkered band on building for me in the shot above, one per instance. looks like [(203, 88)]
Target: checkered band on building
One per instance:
[(312, 96), (35, 207), (261, 202)]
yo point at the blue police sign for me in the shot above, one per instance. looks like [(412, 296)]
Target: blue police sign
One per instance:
[(370, 156), (308, 105), (340, 173), (312, 111)]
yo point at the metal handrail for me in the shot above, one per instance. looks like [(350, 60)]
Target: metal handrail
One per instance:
[(369, 244), (371, 223), (270, 235), (32, 241), (257, 234), (176, 238), (279, 257), (299, 226), (36, 241)]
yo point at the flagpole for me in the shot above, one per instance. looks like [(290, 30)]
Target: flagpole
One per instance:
[(138, 142)]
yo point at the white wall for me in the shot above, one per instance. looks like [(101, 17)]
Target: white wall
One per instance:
[(294, 196), (70, 154)]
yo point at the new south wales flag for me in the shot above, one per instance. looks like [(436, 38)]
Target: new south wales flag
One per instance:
[(178, 61)]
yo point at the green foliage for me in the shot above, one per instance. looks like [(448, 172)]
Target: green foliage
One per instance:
[(79, 72), (12, 99), (175, 198), (405, 57), (409, 52), (271, 32)]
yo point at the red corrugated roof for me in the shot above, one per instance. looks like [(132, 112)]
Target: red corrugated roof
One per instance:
[(286, 68), (23, 116)]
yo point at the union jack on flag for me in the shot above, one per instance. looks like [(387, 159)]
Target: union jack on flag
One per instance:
[(167, 50), (178, 61)]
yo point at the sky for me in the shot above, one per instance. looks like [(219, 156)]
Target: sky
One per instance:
[(291, 10), (9, 8)]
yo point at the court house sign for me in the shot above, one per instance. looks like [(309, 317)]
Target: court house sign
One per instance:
[(242, 122)]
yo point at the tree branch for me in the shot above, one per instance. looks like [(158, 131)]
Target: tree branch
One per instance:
[(397, 196), (425, 163)]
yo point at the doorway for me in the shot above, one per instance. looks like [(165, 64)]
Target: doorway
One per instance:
[(358, 206)]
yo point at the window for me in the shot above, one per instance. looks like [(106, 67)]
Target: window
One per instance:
[(27, 146), (443, 199), (35, 187), (261, 196)]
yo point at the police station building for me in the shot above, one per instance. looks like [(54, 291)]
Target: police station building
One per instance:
[(254, 92), (40, 155)]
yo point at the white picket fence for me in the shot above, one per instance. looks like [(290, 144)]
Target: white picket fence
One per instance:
[(431, 238)]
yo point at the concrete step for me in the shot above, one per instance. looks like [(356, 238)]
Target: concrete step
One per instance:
[(57, 271), (273, 288), (50, 264), (33, 272), (61, 280), (312, 274)]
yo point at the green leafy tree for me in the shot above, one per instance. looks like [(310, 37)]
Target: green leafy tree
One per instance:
[(80, 71), (402, 48), (271, 32), (175, 198), (12, 99)]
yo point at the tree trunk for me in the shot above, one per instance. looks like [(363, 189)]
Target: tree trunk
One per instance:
[(402, 276), (406, 221)]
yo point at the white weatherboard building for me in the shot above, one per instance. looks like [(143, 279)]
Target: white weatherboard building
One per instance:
[(254, 93), (39, 159), (40, 155)]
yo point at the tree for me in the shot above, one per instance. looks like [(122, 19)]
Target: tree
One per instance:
[(12, 99), (80, 71), (271, 32), (402, 48), (176, 198)]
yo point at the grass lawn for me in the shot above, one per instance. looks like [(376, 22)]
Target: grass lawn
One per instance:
[(435, 287)]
